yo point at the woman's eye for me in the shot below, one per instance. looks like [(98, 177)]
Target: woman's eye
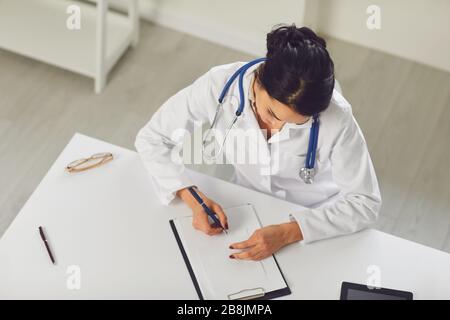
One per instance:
[(273, 115)]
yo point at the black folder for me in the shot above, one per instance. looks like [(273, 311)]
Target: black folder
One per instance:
[(260, 296)]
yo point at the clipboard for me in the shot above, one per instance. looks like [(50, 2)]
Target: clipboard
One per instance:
[(253, 293)]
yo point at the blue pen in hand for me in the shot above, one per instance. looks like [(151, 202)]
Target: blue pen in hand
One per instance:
[(208, 211)]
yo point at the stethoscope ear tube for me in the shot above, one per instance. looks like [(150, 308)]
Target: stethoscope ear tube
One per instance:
[(240, 72), (210, 132)]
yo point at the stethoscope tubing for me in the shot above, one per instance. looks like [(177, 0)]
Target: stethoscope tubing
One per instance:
[(314, 131), (240, 72), (312, 145)]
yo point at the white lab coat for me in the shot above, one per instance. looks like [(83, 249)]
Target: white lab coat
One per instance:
[(344, 197)]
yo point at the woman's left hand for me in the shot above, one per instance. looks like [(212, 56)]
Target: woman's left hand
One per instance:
[(265, 241)]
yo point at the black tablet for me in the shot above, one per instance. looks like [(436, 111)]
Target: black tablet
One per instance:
[(354, 291)]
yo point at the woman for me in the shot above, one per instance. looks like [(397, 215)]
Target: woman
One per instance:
[(284, 93)]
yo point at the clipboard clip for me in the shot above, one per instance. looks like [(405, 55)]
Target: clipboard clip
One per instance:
[(247, 294)]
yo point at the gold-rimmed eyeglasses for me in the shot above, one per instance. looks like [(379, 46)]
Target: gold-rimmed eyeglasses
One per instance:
[(88, 163)]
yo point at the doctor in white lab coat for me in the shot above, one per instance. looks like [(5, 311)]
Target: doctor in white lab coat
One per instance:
[(281, 96)]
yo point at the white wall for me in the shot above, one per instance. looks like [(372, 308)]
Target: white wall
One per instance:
[(239, 24), (414, 29)]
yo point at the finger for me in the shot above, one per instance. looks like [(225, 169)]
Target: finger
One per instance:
[(221, 214), (246, 255), (202, 224), (214, 231), (260, 256), (243, 244), (209, 230)]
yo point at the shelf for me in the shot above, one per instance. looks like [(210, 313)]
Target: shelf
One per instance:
[(37, 29)]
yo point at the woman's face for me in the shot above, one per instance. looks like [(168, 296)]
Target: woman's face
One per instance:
[(272, 112)]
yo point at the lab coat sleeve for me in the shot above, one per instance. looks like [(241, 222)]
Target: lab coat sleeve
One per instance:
[(160, 140), (358, 204)]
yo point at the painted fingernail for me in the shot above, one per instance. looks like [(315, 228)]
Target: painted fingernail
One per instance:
[(231, 256), (226, 225), (231, 247)]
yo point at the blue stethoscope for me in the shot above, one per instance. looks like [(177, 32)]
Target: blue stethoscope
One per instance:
[(307, 172)]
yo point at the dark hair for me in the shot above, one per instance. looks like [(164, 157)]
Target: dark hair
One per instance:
[(298, 71)]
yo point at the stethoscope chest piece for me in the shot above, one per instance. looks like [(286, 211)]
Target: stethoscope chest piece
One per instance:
[(307, 175)]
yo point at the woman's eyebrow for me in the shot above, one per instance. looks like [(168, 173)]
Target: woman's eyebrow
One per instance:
[(275, 116)]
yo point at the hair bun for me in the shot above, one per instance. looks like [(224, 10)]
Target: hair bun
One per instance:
[(289, 36)]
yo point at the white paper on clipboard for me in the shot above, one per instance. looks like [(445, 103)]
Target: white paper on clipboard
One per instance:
[(220, 277)]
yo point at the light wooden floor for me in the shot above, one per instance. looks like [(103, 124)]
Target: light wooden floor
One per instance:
[(402, 107)]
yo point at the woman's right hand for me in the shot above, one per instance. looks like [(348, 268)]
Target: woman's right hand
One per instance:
[(200, 219)]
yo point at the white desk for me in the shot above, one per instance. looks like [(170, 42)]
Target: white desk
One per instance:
[(108, 222)]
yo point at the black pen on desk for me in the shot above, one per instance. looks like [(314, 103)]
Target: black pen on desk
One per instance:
[(41, 232), (208, 211)]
